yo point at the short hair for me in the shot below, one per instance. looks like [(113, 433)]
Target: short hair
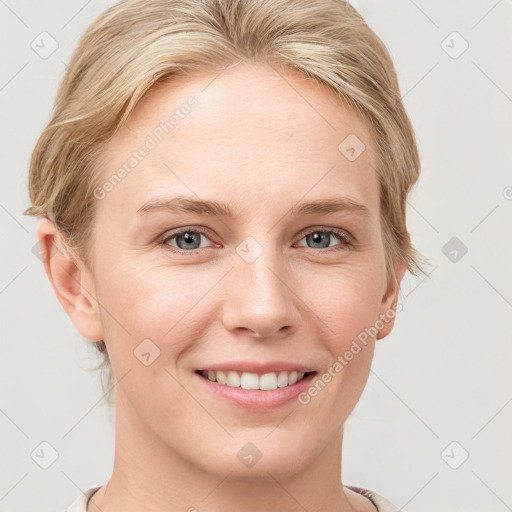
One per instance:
[(136, 43)]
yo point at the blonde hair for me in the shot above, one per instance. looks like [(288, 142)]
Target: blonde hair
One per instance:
[(136, 43)]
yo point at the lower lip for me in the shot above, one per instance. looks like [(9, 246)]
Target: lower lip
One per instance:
[(257, 399)]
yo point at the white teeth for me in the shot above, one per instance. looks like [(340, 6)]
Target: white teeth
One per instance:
[(268, 381), (233, 379), (249, 380), (282, 379)]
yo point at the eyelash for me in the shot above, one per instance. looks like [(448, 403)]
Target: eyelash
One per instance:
[(347, 241)]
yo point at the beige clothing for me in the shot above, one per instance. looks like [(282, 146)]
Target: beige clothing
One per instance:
[(382, 505)]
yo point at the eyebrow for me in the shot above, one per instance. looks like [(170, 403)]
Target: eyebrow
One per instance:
[(214, 208)]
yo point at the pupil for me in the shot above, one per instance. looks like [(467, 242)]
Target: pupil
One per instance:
[(190, 238), (317, 239)]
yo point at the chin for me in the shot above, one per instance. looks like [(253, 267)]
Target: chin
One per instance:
[(260, 459)]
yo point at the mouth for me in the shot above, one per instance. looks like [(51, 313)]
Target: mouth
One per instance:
[(250, 380), (254, 391)]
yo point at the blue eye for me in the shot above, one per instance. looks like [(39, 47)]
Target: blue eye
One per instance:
[(186, 240), (321, 238), (189, 240)]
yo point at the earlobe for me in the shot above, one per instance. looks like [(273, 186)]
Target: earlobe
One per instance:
[(390, 299), (71, 281)]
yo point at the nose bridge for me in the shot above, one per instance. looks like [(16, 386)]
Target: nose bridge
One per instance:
[(258, 296), (260, 267)]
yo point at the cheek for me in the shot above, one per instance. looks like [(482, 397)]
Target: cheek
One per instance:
[(349, 308), (346, 301), (161, 304)]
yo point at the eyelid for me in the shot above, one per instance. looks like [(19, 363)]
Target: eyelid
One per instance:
[(342, 233)]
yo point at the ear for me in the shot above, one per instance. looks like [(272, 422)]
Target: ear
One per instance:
[(71, 281), (390, 298)]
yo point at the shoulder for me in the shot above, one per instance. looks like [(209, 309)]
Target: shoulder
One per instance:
[(80, 504), (381, 503)]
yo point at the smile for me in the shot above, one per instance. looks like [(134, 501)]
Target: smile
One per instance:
[(249, 380), (253, 391)]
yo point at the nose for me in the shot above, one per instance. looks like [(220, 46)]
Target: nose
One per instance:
[(259, 298)]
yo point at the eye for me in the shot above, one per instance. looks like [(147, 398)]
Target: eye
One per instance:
[(320, 239), (187, 240)]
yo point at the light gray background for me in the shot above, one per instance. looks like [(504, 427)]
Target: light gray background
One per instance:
[(443, 375)]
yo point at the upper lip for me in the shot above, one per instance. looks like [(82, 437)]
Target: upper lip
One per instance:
[(258, 367)]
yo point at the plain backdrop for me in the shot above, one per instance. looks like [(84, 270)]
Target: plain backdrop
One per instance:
[(429, 432)]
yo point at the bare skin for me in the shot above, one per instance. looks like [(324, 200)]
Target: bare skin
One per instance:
[(261, 142)]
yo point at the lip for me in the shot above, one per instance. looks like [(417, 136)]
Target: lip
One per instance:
[(257, 367), (254, 399)]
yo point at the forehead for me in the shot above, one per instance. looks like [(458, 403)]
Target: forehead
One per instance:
[(248, 135)]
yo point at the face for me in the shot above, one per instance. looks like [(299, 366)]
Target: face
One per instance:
[(273, 288)]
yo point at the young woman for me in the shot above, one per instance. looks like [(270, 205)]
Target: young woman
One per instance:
[(222, 200)]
